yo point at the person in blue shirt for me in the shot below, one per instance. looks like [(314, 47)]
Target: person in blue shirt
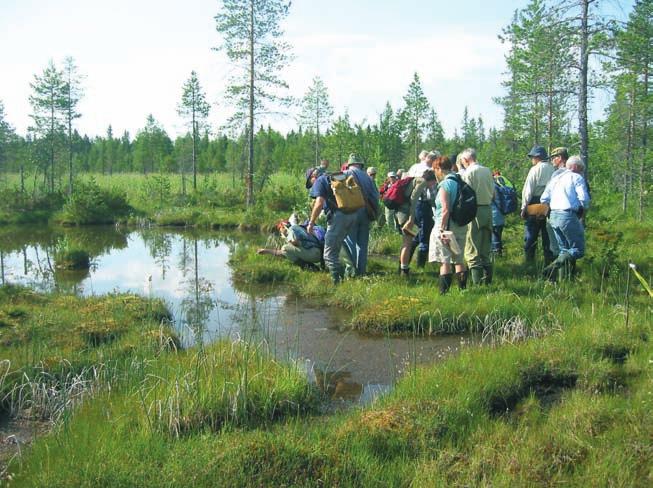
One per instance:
[(353, 227), (301, 248), (498, 218), (357, 240), (568, 198)]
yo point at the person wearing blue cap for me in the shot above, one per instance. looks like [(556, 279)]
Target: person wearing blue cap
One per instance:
[(535, 225)]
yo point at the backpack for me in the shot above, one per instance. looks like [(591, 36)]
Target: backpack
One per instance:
[(464, 207), (506, 195), (347, 192), (318, 232), (395, 196)]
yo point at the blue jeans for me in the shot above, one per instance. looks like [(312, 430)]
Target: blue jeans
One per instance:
[(497, 243), (338, 226), (569, 232), (424, 220), (358, 239), (532, 228)]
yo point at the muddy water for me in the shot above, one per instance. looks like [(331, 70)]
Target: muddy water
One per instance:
[(190, 271)]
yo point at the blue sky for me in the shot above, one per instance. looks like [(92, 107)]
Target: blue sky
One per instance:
[(137, 54)]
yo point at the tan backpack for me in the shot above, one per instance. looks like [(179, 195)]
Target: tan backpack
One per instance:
[(349, 196)]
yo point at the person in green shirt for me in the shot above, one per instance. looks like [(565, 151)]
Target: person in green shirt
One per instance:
[(479, 237)]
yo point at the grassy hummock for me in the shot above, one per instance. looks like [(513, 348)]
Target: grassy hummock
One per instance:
[(572, 408)]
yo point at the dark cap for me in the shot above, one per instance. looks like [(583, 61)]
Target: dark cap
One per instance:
[(560, 151), (309, 175), (538, 152)]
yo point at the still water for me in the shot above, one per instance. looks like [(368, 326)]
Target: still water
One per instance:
[(190, 271)]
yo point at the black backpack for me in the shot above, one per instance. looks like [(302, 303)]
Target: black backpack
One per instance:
[(464, 207)]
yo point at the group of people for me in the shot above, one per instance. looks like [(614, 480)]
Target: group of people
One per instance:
[(424, 205)]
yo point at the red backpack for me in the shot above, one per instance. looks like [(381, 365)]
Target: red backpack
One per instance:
[(395, 196)]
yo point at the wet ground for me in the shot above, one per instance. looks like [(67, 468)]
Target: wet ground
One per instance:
[(190, 271)]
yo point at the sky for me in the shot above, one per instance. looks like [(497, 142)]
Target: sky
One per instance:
[(135, 56)]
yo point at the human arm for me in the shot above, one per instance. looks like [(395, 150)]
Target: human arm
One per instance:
[(580, 185), (419, 187), (443, 196), (315, 213), (529, 187)]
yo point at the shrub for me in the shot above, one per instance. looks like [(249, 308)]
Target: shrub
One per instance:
[(90, 204)]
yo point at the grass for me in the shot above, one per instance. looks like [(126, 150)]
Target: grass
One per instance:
[(559, 410), (218, 203), (518, 304), (558, 394)]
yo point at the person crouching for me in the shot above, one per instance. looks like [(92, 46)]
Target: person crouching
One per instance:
[(301, 248)]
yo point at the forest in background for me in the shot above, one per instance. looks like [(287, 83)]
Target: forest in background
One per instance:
[(559, 54)]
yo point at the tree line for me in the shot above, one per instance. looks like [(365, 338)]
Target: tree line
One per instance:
[(559, 53)]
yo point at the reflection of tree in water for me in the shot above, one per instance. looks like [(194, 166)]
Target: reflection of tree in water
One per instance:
[(159, 245), (37, 245), (198, 302), (94, 240), (69, 281)]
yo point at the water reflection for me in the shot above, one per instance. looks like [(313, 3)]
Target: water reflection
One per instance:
[(189, 270)]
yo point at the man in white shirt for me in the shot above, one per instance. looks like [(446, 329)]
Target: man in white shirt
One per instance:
[(534, 226), (417, 169), (567, 196)]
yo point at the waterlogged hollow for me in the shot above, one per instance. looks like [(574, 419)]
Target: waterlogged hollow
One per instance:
[(190, 271)]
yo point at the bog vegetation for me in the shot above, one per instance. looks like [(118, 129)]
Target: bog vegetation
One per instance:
[(559, 391)]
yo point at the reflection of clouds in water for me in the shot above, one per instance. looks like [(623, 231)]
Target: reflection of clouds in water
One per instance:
[(290, 328)]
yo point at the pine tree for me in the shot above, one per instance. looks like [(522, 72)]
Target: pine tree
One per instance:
[(632, 110), (49, 108), (7, 135), (539, 84), (251, 31), (340, 139), (414, 116), (195, 109), (434, 132), (152, 146), (389, 146), (316, 111), (73, 93)]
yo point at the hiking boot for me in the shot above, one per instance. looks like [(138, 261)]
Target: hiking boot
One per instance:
[(445, 283), (487, 274), (477, 275), (462, 279), (336, 276), (422, 257)]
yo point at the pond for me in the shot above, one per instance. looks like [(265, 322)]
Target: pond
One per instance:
[(190, 271)]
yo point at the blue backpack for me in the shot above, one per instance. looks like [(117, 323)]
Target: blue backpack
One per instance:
[(506, 195), (318, 232)]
